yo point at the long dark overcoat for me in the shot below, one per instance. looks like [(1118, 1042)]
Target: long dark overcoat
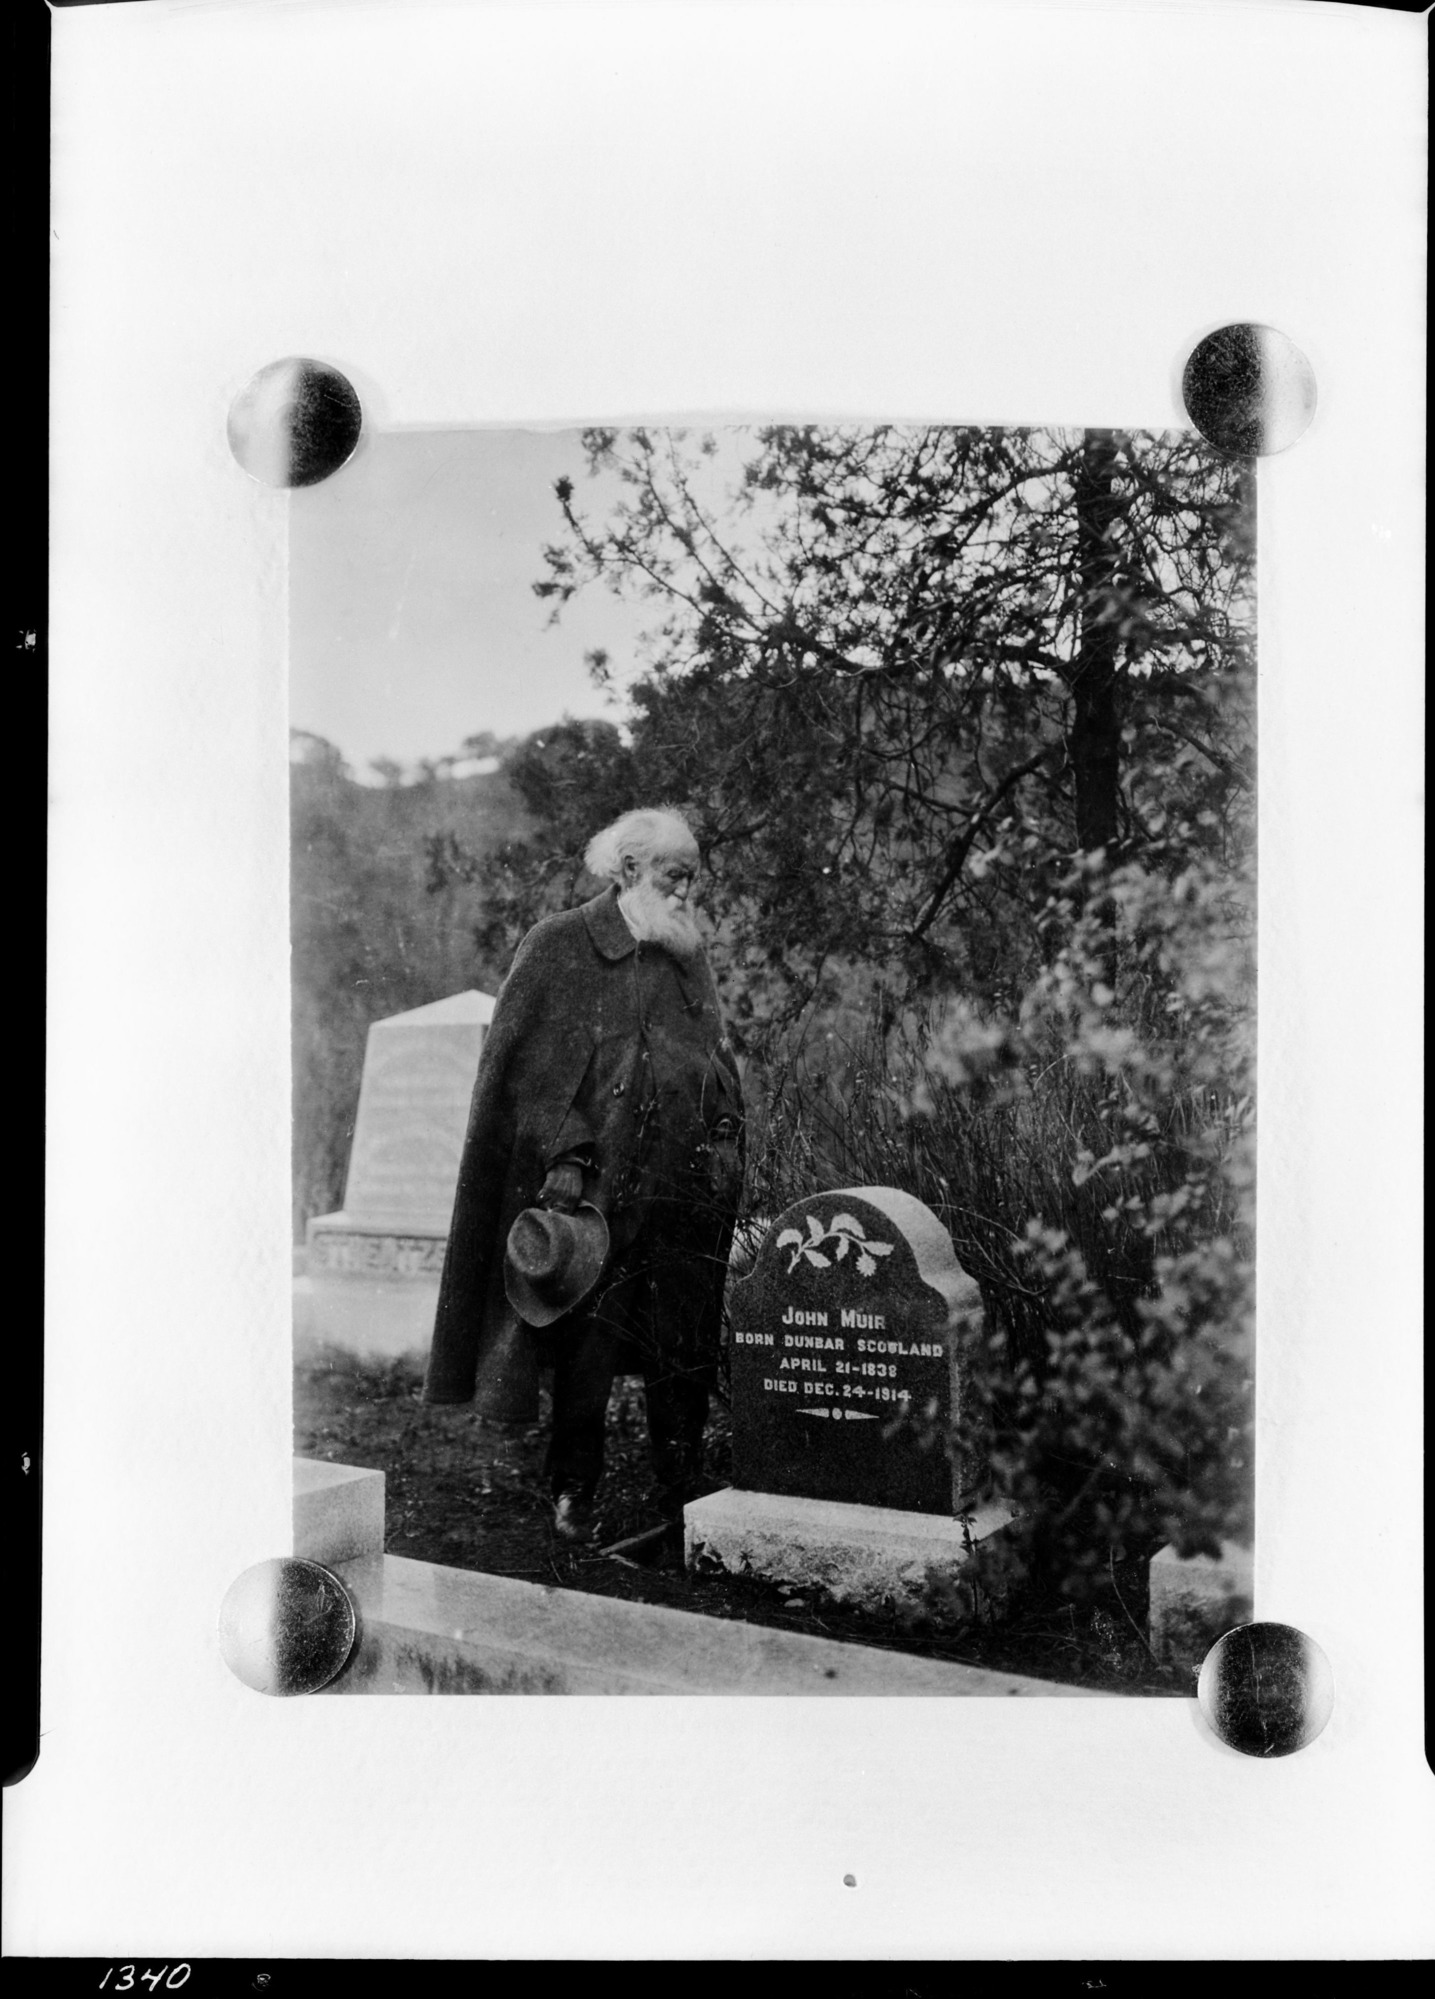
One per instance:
[(585, 1021)]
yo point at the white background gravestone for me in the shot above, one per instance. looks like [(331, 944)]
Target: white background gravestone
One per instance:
[(374, 1266)]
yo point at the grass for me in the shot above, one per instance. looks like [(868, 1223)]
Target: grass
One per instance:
[(468, 1496)]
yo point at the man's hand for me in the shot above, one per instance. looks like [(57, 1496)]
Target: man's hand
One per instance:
[(563, 1188)]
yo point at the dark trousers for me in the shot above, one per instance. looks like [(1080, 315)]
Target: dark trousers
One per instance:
[(658, 1314)]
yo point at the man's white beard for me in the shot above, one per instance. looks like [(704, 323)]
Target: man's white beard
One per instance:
[(653, 920)]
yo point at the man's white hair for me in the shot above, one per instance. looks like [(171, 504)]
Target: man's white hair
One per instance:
[(641, 834)]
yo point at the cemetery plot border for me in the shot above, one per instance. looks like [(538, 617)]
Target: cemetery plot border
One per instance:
[(467, 1497)]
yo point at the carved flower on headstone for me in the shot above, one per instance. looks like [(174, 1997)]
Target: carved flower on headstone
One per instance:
[(844, 1233)]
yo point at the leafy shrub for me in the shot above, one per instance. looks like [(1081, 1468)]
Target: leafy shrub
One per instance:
[(1092, 1155)]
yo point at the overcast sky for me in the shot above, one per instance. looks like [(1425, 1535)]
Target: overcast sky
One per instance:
[(412, 618)]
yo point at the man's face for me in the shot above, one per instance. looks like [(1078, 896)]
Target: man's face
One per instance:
[(655, 900), (671, 876), (674, 875)]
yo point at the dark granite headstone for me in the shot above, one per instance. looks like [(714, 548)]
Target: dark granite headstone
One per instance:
[(856, 1311)]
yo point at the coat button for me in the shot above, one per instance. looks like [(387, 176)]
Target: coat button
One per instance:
[(618, 1089)]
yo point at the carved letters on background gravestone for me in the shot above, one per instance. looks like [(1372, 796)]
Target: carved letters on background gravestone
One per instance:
[(856, 1312)]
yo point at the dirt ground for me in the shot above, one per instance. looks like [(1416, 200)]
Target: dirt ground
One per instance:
[(464, 1494)]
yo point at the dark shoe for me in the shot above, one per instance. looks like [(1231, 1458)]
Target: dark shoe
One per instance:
[(573, 1517)]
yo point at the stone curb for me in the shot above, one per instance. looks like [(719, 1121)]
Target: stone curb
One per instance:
[(426, 1629)]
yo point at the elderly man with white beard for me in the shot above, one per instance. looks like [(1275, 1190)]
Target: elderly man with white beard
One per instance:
[(600, 1177)]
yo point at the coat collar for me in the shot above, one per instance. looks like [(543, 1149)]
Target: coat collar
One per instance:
[(607, 925)]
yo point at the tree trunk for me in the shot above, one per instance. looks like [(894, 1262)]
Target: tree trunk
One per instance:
[(1094, 738)]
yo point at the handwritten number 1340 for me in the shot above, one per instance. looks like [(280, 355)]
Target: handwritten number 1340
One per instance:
[(126, 1979)]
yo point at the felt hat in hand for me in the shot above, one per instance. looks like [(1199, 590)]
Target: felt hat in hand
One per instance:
[(553, 1261)]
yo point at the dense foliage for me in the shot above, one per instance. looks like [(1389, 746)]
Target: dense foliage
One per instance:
[(899, 676)]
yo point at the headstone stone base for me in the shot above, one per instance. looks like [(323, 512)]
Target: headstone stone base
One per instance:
[(871, 1557), (400, 1249), (1196, 1600), (370, 1288)]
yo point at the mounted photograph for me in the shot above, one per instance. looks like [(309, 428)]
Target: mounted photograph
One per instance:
[(773, 935)]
